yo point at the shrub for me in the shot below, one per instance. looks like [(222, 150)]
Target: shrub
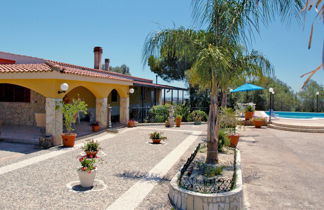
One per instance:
[(157, 135), (223, 140), (249, 109), (91, 146), (184, 111), (198, 116), (159, 113), (87, 164)]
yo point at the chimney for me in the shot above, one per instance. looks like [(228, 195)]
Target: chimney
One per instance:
[(97, 57), (107, 61)]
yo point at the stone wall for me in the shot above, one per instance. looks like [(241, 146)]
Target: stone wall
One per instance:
[(185, 199), (21, 113)]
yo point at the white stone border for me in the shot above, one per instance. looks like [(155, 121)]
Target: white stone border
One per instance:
[(186, 199)]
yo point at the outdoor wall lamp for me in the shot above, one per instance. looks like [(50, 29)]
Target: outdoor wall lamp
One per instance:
[(131, 90), (64, 87)]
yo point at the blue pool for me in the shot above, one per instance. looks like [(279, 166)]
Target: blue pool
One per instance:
[(298, 115)]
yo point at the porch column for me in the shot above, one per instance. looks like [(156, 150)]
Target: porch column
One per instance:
[(54, 120), (124, 110), (102, 111)]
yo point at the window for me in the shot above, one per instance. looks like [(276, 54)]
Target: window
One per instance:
[(14, 93), (114, 95)]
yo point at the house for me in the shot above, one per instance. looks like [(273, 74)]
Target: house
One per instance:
[(31, 87)]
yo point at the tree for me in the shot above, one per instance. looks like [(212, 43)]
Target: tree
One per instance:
[(307, 97), (123, 69)]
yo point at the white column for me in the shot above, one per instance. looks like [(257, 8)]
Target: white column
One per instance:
[(54, 120), (124, 110), (101, 111)]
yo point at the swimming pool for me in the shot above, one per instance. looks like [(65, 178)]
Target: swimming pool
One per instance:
[(297, 115)]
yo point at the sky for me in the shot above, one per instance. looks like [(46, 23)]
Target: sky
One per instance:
[(67, 31)]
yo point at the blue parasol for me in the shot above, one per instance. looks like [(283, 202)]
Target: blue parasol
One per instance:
[(247, 87)]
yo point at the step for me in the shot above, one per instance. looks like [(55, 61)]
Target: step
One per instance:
[(297, 126), (296, 129)]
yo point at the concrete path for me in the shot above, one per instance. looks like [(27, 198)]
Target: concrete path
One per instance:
[(48, 179), (282, 169)]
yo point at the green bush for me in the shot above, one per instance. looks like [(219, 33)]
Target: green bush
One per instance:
[(159, 113), (184, 111), (198, 116), (223, 140)]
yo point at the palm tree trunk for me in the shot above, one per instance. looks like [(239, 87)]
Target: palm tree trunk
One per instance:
[(212, 130), (224, 99)]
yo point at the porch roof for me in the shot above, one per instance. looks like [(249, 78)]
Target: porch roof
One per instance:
[(150, 84)]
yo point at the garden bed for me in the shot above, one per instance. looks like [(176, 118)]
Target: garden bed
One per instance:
[(201, 186)]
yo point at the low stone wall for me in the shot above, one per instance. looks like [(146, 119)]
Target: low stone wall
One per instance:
[(21, 113), (185, 199)]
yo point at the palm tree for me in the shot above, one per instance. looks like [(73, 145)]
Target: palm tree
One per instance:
[(213, 66)]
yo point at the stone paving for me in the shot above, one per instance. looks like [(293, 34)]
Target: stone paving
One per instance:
[(129, 157), (282, 169)]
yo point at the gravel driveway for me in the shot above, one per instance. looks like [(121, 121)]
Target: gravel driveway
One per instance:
[(282, 169)]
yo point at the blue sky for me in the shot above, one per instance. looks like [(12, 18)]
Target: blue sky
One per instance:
[(68, 30)]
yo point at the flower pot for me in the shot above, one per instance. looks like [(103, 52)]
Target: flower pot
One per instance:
[(156, 141), (68, 139), (178, 122), (95, 128), (248, 115), (91, 154), (234, 139), (131, 123), (258, 123), (87, 177)]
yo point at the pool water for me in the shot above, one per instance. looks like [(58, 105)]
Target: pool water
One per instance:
[(298, 115)]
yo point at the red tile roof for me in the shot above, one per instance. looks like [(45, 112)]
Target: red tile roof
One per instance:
[(23, 68)]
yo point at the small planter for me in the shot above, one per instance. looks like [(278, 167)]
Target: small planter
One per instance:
[(258, 123), (178, 122), (234, 140), (95, 128), (156, 141), (46, 142), (248, 115), (91, 154), (131, 123), (87, 177), (68, 139)]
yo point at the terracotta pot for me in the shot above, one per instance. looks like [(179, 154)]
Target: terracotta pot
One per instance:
[(68, 139), (178, 122), (91, 154), (234, 140), (131, 123), (258, 123), (156, 141), (95, 128), (86, 178), (248, 115)]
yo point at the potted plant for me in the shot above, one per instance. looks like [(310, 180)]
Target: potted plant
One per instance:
[(258, 122), (87, 171), (157, 137), (249, 111), (178, 120), (91, 148), (198, 116), (70, 112), (95, 126), (167, 124), (229, 122)]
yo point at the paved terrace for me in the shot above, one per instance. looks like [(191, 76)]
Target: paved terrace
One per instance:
[(133, 173)]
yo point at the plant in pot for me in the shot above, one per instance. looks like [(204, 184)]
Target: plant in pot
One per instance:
[(157, 137), (229, 122), (87, 171), (95, 126), (167, 124), (178, 120), (91, 148), (249, 111), (70, 112), (198, 116), (258, 122)]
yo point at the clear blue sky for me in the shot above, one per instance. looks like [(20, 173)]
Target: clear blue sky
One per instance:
[(68, 30)]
